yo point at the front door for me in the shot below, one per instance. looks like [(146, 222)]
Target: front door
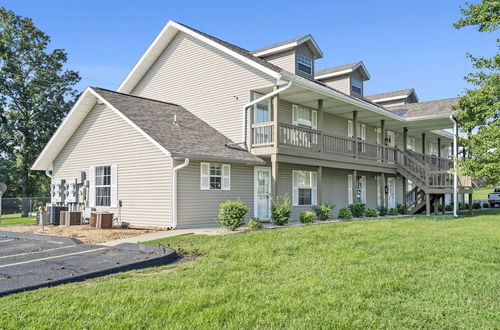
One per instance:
[(262, 188), (391, 196)]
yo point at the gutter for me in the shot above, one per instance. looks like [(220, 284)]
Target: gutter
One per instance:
[(455, 174), (249, 104), (174, 191)]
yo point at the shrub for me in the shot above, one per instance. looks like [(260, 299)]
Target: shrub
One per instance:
[(255, 224), (449, 207), (463, 206), (371, 213), (323, 211), (345, 213), (401, 209), (232, 214), (486, 205), (358, 210), (382, 211), (393, 211), (281, 210), (477, 206), (307, 217)]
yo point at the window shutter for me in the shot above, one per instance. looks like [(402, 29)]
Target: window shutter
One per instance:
[(92, 186), (349, 189), (349, 128), (295, 114), (314, 119), (205, 176), (314, 188), (114, 186), (363, 189), (363, 132), (295, 190), (226, 177)]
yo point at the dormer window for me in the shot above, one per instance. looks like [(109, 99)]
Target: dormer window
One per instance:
[(356, 86), (304, 64)]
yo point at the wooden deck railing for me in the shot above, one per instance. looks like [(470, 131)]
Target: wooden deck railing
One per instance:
[(434, 161)]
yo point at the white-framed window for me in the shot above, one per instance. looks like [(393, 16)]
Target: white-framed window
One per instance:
[(103, 185), (215, 176), (304, 64), (262, 111), (304, 187), (410, 143), (361, 133), (433, 149), (302, 116), (360, 188), (357, 86)]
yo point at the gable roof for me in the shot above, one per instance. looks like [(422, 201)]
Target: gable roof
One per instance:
[(289, 44), (341, 70), (395, 95), (429, 108), (190, 137)]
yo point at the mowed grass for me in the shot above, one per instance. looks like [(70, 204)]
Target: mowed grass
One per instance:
[(481, 194), (16, 219), (395, 273)]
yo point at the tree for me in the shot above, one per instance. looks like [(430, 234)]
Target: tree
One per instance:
[(36, 92), (478, 113)]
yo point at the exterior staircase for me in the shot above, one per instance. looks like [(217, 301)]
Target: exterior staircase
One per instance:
[(431, 179)]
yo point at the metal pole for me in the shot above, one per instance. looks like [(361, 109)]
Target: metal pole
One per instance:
[(455, 174)]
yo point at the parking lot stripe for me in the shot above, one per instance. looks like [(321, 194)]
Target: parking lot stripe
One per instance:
[(53, 257), (33, 252), (6, 240)]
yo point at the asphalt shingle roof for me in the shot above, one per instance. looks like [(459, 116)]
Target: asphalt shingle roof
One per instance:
[(403, 92), (336, 69), (190, 137), (429, 108), (278, 44)]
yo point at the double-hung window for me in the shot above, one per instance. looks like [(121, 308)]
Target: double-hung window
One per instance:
[(215, 176), (103, 185), (357, 86), (360, 189), (304, 187), (410, 144), (304, 64), (302, 116)]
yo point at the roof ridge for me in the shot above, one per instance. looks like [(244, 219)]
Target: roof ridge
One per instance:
[(278, 44), (139, 97), (337, 66)]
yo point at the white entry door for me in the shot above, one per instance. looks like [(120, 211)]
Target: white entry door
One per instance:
[(262, 189), (391, 197)]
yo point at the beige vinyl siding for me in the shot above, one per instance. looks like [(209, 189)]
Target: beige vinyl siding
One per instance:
[(304, 50), (285, 60), (199, 208), (144, 171), (341, 83), (211, 84)]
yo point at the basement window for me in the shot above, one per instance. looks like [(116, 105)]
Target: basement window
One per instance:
[(304, 64)]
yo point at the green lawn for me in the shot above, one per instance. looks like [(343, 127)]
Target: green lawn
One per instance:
[(399, 273), (16, 219), (480, 194)]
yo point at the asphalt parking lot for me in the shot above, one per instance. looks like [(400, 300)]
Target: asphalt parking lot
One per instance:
[(29, 261)]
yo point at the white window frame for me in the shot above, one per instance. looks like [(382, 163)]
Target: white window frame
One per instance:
[(361, 179), (313, 179), (113, 185), (305, 61), (299, 120), (206, 175), (356, 83), (267, 102), (411, 143)]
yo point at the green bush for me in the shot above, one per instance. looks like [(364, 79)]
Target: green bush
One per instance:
[(449, 207), (232, 214), (477, 206), (255, 224), (393, 211), (358, 210), (280, 210), (306, 217), (345, 213), (463, 206), (323, 211), (401, 209), (382, 211), (371, 213), (486, 205)]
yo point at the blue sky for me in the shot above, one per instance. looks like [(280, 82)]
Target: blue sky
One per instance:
[(402, 43)]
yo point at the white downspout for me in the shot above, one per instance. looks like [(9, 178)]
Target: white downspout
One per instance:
[(249, 104), (455, 174), (47, 173), (174, 191)]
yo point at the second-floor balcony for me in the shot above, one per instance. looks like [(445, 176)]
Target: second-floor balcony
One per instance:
[(307, 139)]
